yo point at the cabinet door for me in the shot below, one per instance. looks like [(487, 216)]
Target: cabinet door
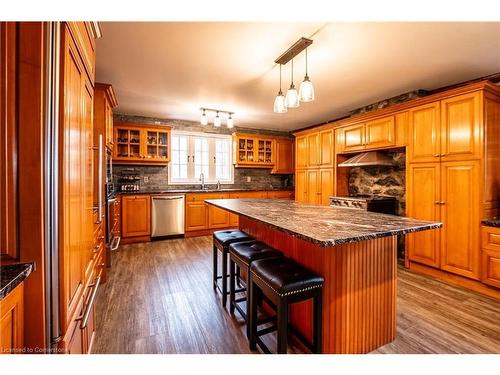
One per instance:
[(326, 148), (353, 138), (424, 133), (326, 186), (380, 133), (490, 273), (12, 320), (283, 156), (136, 219), (461, 128), (217, 218), (127, 144), (313, 186), (196, 216), (301, 155), (422, 202), (460, 240), (313, 152), (301, 186), (234, 220)]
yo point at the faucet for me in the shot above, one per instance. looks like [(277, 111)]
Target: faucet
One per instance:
[(202, 179), (218, 184)]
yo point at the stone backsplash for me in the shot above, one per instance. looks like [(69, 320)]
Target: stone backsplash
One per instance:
[(154, 178), (385, 180)]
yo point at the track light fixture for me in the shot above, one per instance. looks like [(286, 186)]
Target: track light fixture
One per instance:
[(217, 119)]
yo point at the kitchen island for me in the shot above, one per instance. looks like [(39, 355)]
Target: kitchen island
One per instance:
[(354, 251)]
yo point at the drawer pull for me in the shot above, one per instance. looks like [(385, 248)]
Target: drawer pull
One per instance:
[(116, 243), (84, 318)]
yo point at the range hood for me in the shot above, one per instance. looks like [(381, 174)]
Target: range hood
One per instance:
[(367, 158)]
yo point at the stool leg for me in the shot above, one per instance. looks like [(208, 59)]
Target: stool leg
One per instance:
[(232, 293), (224, 278), (248, 303), (318, 322), (282, 326), (238, 273), (215, 268), (252, 317)]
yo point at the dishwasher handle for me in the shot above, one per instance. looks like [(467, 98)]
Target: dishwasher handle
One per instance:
[(169, 198)]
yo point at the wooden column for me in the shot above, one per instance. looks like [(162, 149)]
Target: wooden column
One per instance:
[(359, 295)]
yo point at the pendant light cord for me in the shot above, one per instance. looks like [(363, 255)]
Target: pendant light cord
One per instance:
[(280, 78), (292, 71), (306, 62)]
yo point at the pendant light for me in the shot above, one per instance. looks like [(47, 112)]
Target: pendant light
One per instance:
[(292, 97), (306, 91), (279, 102), (204, 119), (230, 122), (217, 120)]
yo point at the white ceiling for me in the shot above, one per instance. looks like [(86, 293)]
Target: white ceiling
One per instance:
[(171, 69)]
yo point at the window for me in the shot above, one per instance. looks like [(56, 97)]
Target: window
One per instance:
[(197, 153)]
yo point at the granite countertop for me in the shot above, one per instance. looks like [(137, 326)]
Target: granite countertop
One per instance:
[(185, 191), (12, 275), (323, 225), (491, 223)]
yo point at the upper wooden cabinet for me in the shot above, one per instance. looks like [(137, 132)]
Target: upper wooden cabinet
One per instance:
[(315, 149), (449, 130), (104, 102), (283, 156), (380, 132), (314, 152), (141, 144), (253, 151), (301, 152), (326, 148), (460, 127), (351, 138)]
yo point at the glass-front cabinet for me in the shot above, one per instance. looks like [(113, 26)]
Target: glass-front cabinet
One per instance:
[(141, 144), (253, 151)]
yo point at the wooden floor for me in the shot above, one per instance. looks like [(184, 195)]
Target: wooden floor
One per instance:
[(159, 299)]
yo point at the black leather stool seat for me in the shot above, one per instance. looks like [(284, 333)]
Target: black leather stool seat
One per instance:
[(284, 282), (285, 276), (249, 251), (221, 241), (227, 237)]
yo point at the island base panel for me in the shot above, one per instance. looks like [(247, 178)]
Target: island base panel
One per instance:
[(359, 295)]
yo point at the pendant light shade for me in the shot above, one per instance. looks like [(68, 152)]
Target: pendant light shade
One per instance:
[(292, 96), (279, 102), (230, 123), (217, 121), (204, 119), (306, 91)]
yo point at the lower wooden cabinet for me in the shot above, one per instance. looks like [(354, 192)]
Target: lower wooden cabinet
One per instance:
[(217, 218), (301, 186), (490, 256), (314, 186), (136, 216), (196, 216), (12, 321)]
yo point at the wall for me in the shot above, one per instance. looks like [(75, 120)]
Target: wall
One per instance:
[(154, 178), (384, 180)]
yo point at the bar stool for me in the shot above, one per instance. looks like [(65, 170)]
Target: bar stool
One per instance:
[(221, 240), (241, 255), (284, 282)]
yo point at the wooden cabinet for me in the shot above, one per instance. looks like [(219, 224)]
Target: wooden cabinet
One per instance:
[(446, 192), (460, 127), (136, 216), (424, 133), (460, 238), (374, 134), (196, 216), (217, 218), (141, 144), (284, 194), (12, 321), (104, 102), (423, 202), (301, 152), (283, 156), (314, 150), (490, 256), (253, 151), (326, 183), (76, 177), (313, 186), (326, 148), (301, 186)]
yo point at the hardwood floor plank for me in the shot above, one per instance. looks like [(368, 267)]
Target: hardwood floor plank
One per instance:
[(159, 299)]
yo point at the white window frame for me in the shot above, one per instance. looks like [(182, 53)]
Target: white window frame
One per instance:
[(210, 178)]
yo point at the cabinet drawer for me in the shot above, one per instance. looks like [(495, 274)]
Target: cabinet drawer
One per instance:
[(248, 194), (490, 267), (490, 238)]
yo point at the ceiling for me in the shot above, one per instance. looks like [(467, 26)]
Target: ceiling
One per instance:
[(171, 69)]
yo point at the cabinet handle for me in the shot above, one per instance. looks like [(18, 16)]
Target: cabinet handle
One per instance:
[(436, 155), (84, 318), (188, 158), (442, 155)]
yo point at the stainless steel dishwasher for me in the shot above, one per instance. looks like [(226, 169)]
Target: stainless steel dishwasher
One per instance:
[(167, 215)]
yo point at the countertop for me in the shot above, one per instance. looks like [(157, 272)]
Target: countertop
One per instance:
[(491, 223), (186, 191), (12, 275), (323, 225)]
